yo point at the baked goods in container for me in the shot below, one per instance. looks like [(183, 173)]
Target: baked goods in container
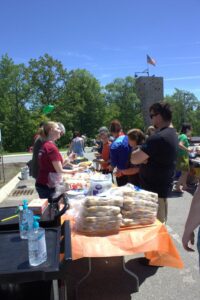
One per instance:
[(98, 201), (98, 217), (85, 164), (101, 211), (139, 208)]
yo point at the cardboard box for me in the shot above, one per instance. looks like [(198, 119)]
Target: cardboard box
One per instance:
[(38, 206)]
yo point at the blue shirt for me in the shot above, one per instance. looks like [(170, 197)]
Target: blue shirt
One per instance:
[(120, 152), (77, 146)]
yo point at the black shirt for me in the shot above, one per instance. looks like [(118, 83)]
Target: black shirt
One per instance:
[(157, 174)]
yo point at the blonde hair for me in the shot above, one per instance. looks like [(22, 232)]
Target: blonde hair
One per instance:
[(48, 126)]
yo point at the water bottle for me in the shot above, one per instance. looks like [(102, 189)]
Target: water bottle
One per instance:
[(20, 214), (37, 251), (25, 220)]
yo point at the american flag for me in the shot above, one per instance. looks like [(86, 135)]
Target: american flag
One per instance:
[(151, 61)]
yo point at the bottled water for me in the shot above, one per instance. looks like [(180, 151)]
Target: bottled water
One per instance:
[(37, 244), (25, 220)]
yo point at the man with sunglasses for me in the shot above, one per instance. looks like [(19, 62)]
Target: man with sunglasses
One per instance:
[(157, 157)]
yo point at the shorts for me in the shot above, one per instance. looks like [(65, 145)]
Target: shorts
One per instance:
[(44, 191), (182, 163)]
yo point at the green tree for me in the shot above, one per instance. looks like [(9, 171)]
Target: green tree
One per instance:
[(123, 103), (15, 117), (6, 67), (46, 77), (185, 108), (83, 102)]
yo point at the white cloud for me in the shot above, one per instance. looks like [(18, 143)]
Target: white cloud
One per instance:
[(184, 57), (180, 64), (112, 49), (183, 78), (75, 54), (103, 76)]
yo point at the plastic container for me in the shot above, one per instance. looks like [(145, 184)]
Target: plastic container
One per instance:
[(37, 250), (25, 220), (100, 184), (25, 173)]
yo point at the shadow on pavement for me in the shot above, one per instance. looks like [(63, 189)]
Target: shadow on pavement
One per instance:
[(174, 194), (191, 190), (107, 280)]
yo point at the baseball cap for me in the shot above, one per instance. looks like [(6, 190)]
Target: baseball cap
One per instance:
[(103, 129)]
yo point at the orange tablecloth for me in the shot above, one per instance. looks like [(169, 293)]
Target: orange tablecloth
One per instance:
[(152, 240)]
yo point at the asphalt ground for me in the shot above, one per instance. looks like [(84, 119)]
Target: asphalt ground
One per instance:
[(108, 281)]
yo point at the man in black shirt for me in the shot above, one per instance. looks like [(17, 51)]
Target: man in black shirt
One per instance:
[(158, 157)]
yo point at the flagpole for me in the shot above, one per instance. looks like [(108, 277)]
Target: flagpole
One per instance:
[(147, 69)]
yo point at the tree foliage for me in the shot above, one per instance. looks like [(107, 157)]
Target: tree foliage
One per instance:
[(123, 102), (80, 102), (15, 118), (186, 109), (46, 77), (85, 102)]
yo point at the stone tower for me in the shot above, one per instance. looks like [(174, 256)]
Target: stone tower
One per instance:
[(149, 90)]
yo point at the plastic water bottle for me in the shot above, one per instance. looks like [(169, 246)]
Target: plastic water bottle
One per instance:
[(20, 214), (25, 220), (37, 244)]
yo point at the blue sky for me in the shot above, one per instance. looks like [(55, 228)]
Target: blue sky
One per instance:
[(108, 38)]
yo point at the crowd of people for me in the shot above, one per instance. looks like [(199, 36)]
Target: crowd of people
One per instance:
[(148, 160), (151, 161)]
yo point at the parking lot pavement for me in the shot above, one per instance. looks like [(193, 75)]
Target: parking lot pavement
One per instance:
[(108, 281)]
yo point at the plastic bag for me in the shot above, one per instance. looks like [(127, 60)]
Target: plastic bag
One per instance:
[(54, 179)]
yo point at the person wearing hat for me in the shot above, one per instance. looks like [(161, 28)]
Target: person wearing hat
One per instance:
[(105, 129), (105, 154)]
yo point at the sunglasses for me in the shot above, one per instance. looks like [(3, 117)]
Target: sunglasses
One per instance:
[(153, 115)]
